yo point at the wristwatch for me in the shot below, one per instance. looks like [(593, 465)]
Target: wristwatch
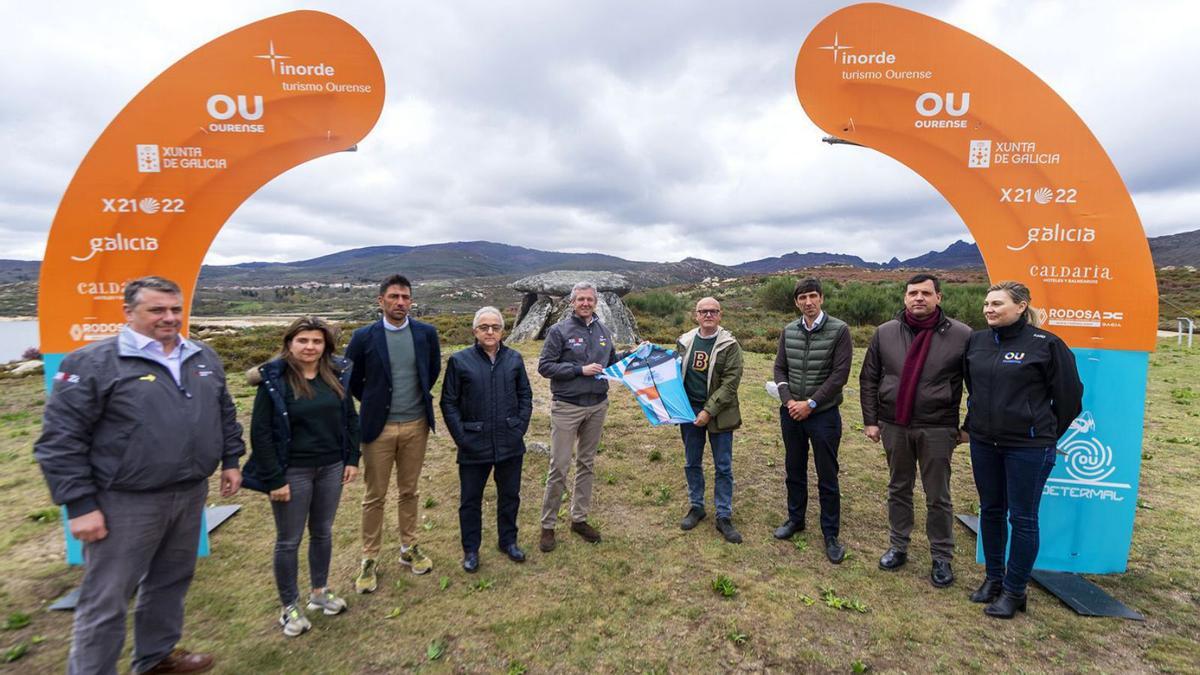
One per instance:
[(812, 404)]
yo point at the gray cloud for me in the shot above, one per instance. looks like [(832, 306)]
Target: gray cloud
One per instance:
[(651, 131)]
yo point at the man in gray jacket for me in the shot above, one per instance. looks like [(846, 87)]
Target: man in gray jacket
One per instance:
[(910, 387), (133, 429), (576, 350)]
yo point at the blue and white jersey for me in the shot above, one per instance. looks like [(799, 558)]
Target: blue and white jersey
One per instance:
[(653, 375)]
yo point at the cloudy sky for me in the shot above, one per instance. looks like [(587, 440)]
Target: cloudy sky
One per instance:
[(596, 126)]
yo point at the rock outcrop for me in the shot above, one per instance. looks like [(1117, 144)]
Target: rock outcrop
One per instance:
[(546, 302)]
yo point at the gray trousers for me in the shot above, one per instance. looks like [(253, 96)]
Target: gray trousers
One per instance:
[(930, 449), (151, 549), (315, 494), (574, 429)]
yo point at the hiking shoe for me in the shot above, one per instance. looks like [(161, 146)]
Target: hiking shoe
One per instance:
[(327, 602), (727, 530), (419, 562), (590, 534), (293, 621), (366, 581), (547, 543), (693, 518)]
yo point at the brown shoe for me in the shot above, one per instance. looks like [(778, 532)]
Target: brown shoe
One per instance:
[(546, 544), (183, 661), (590, 534)]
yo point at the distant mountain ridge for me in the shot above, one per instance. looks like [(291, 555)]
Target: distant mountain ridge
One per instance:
[(467, 259)]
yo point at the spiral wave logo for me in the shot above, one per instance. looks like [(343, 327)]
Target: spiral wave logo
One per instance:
[(1088, 459)]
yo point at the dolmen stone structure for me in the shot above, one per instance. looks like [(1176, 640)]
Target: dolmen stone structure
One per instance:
[(546, 302)]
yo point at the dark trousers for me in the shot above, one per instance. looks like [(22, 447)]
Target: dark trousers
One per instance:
[(472, 478), (823, 430), (1010, 482), (151, 549), (930, 449), (316, 493)]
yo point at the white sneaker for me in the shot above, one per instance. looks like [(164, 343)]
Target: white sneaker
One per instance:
[(327, 602), (293, 621)]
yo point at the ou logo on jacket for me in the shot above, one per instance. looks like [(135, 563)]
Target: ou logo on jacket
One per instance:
[(1014, 357)]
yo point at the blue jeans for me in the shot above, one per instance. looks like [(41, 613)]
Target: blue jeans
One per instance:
[(1010, 482), (693, 466)]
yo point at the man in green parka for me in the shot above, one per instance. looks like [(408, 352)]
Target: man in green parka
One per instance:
[(712, 370)]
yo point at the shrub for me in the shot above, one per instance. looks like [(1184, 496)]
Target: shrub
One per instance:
[(776, 294), (31, 354), (657, 302)]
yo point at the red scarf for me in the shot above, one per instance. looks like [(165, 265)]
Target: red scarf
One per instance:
[(914, 362)]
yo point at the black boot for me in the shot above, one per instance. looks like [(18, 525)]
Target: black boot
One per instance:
[(988, 591), (1006, 605)]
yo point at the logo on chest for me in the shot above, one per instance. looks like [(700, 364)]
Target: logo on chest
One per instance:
[(700, 361), (1014, 357), (576, 343)]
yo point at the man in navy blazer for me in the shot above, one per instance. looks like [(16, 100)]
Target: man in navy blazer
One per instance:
[(396, 361)]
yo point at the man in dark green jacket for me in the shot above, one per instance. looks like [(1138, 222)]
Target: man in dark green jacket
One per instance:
[(712, 370), (811, 368)]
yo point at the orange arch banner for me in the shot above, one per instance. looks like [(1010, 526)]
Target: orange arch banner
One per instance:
[(169, 170), (1047, 208)]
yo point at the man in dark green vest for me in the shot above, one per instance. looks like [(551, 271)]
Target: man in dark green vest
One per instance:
[(811, 367)]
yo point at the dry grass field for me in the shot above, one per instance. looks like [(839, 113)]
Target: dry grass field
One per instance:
[(643, 600)]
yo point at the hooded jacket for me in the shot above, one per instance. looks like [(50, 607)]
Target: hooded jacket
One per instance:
[(271, 430), (1024, 388), (724, 376)]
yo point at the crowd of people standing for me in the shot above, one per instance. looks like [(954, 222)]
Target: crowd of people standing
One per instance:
[(137, 423)]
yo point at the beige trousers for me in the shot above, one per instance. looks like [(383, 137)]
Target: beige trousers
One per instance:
[(400, 444), (573, 430)]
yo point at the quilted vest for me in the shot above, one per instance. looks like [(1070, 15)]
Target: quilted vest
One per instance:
[(810, 358)]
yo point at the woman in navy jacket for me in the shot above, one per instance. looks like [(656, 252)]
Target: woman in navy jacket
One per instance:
[(486, 402), (304, 433), (1024, 394)]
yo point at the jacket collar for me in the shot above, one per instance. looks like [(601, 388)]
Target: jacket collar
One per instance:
[(1011, 330), (483, 354)]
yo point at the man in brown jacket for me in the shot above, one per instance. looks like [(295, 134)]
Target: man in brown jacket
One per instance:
[(911, 387)]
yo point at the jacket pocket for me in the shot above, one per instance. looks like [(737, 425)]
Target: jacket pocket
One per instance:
[(472, 426)]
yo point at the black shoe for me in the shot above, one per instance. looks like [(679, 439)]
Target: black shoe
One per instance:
[(727, 530), (513, 552), (834, 550), (940, 574), (786, 530), (988, 591), (893, 559), (470, 561), (693, 518), (1005, 606)]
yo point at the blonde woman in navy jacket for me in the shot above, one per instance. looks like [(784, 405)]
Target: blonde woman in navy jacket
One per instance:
[(1024, 393)]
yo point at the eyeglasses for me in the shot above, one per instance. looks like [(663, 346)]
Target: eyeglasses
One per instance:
[(489, 328), (708, 312)]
